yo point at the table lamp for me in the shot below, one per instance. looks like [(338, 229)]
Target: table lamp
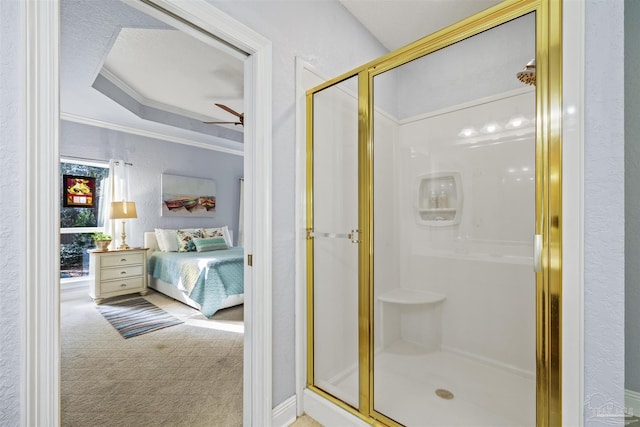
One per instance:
[(123, 211)]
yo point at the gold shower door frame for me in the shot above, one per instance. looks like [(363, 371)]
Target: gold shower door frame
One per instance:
[(548, 203)]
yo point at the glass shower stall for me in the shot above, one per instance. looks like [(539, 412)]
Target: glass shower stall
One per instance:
[(433, 299)]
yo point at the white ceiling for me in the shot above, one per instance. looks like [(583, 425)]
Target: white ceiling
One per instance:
[(396, 23), (170, 70)]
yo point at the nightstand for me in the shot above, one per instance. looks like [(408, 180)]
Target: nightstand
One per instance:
[(117, 272)]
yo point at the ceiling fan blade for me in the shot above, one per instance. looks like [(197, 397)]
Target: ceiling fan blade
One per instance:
[(222, 123), (229, 110)]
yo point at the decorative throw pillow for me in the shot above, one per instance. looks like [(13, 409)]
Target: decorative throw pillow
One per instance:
[(185, 240), (218, 232), (206, 244)]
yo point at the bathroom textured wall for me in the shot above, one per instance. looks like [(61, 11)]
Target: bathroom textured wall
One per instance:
[(632, 194), (11, 226), (603, 206), (331, 40), (151, 158)]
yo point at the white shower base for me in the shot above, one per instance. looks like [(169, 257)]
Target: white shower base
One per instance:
[(406, 379)]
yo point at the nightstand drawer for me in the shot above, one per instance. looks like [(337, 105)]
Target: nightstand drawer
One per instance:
[(122, 285), (121, 273), (122, 258)]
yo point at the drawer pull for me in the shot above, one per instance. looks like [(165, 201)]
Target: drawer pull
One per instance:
[(124, 285), (123, 260), (123, 272)]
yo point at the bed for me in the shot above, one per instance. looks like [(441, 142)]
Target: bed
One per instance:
[(206, 281)]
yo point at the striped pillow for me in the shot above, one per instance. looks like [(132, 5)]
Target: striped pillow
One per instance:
[(218, 232), (210, 244)]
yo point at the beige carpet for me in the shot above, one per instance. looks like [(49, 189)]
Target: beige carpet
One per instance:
[(184, 375)]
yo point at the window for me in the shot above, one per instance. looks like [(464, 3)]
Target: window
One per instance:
[(78, 223)]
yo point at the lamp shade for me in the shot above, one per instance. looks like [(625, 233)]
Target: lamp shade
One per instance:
[(123, 210)]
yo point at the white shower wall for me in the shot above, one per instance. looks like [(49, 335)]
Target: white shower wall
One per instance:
[(483, 265)]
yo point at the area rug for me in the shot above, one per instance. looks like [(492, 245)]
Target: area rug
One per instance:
[(136, 316)]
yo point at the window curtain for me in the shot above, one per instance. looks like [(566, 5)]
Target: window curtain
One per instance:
[(115, 188)]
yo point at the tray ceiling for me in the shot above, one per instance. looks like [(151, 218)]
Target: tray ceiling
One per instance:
[(121, 68), (165, 67)]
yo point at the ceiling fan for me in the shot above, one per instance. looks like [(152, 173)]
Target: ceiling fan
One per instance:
[(229, 110)]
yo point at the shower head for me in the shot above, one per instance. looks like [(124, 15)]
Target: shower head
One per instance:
[(528, 73)]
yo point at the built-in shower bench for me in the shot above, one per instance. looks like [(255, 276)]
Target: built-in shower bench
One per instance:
[(413, 316)]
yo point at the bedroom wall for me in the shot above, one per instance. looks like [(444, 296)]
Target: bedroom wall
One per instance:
[(151, 158)]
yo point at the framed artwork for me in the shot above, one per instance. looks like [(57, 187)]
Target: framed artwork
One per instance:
[(79, 191), (186, 196)]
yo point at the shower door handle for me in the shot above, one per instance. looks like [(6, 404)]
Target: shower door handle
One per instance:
[(537, 253), (353, 235), (330, 235)]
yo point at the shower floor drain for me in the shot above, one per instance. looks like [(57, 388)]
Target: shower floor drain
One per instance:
[(444, 394)]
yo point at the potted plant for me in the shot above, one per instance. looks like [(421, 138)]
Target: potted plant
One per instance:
[(101, 240)]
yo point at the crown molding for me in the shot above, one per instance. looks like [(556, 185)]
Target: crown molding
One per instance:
[(149, 134)]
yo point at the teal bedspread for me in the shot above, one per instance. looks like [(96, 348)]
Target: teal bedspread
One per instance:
[(206, 277)]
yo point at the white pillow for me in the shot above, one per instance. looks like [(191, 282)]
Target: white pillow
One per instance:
[(168, 239), (219, 232)]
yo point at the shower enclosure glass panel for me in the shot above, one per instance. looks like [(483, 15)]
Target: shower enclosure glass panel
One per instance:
[(335, 255), (453, 225)]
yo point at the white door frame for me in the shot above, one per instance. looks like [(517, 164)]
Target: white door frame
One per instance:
[(40, 370)]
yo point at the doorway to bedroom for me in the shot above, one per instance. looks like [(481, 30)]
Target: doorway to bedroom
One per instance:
[(180, 122)]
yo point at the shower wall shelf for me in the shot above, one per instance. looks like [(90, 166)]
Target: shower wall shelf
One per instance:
[(439, 199)]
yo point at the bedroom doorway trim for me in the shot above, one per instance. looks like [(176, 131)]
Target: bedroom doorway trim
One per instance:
[(40, 38)]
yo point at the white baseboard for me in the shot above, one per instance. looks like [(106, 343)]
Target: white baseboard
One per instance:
[(327, 413), (632, 402), (284, 414)]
